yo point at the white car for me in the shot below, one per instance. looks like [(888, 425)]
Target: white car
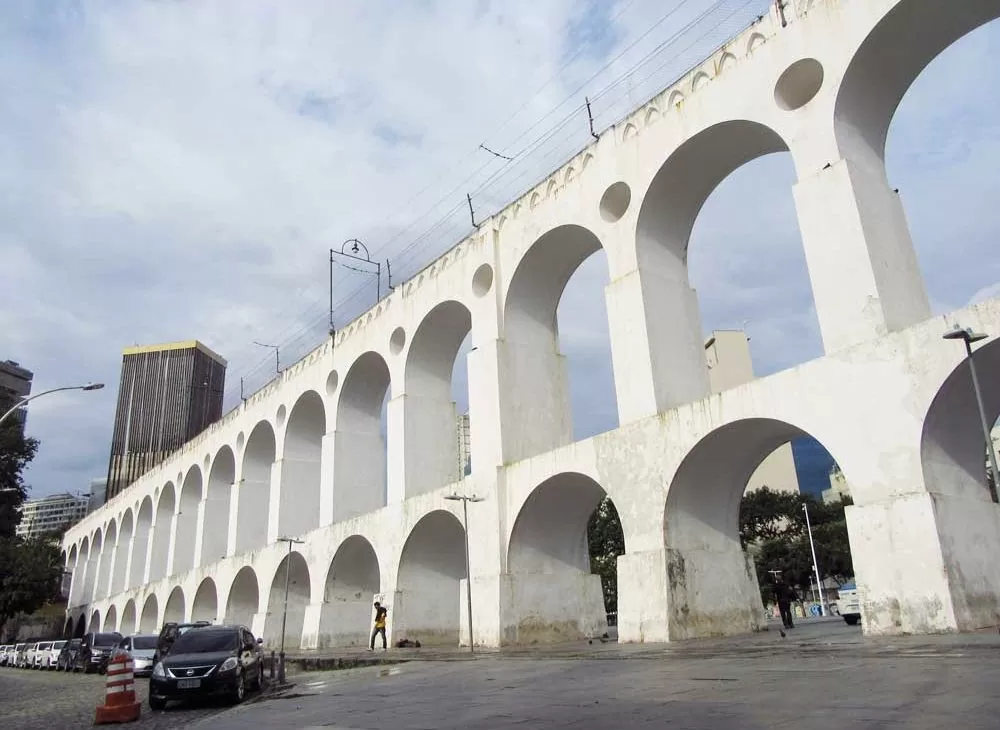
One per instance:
[(41, 657), (28, 662), (51, 659)]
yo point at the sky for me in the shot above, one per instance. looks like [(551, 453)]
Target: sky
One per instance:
[(177, 170)]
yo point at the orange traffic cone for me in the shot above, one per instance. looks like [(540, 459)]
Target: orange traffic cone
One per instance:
[(119, 698)]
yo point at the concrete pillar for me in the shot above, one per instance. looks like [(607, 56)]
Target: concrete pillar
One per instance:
[(274, 502), (642, 597), (484, 409), (112, 559), (865, 278), (234, 513), (173, 543), (199, 530), (926, 563), (129, 557), (657, 348), (311, 626), (395, 466), (429, 443), (326, 516)]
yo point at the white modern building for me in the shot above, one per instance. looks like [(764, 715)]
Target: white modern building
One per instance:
[(50, 514), (198, 535)]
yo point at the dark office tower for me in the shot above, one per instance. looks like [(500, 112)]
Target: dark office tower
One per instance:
[(168, 395), (15, 383)]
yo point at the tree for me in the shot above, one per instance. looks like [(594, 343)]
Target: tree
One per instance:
[(766, 514), (16, 452), (30, 575), (606, 542)]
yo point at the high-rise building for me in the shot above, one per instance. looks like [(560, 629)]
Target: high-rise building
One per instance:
[(168, 394), (15, 383), (50, 514)]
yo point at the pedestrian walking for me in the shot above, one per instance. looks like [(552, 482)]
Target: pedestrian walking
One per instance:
[(380, 614), (784, 594)]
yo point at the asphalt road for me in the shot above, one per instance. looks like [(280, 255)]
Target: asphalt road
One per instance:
[(45, 700)]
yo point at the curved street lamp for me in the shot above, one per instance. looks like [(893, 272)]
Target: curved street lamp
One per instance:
[(24, 401)]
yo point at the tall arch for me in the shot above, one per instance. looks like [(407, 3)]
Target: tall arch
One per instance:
[(149, 622), (254, 495), (81, 627), (130, 622), (109, 546), (89, 556), (243, 602), (174, 609), (428, 584), (95, 621), (301, 466), (215, 534), (359, 462), (159, 557), (534, 378), (430, 433), (140, 548), (548, 557), (187, 522), (351, 583), (123, 548), (293, 572), (206, 602), (111, 620)]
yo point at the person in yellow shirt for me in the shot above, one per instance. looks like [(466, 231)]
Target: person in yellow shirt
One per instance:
[(380, 614)]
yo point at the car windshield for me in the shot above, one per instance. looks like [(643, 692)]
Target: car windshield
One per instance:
[(198, 641), (106, 639), (143, 642), (59, 645)]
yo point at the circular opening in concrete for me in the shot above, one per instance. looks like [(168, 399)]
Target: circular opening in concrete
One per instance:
[(397, 340), (282, 414), (799, 84), (615, 201), (332, 381), (240, 440), (482, 280)]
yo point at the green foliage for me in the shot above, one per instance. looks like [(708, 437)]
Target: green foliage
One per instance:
[(30, 575), (773, 527), (606, 542), (16, 452)]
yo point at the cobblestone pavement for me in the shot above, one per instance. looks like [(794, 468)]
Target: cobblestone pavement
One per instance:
[(45, 700)]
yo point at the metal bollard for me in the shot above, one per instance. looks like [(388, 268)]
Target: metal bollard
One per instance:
[(272, 665)]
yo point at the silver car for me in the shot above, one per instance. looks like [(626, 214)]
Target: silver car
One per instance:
[(140, 647)]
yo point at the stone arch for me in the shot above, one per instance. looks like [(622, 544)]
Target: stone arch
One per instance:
[(428, 583), (726, 62), (882, 69), (81, 626), (111, 620), (192, 491), (243, 602), (174, 609), (351, 583), (292, 567), (206, 602), (430, 438), (68, 628), (301, 466), (119, 577), (700, 79), (254, 492), (159, 557), (130, 622), (95, 621), (140, 548), (149, 621), (952, 448), (712, 584), (109, 543), (537, 384), (359, 462), (87, 578), (215, 533), (548, 557)]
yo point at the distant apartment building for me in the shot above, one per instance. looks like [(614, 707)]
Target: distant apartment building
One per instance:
[(50, 514), (727, 353), (15, 383), (168, 394)]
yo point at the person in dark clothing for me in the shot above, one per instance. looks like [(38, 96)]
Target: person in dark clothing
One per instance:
[(784, 595), (380, 613)]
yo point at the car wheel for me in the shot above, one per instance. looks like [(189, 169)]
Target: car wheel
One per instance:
[(241, 689), (852, 620), (157, 703)]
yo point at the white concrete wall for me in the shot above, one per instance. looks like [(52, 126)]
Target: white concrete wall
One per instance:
[(887, 400)]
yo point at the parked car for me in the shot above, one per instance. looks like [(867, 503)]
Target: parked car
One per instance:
[(141, 648), (169, 633), (41, 656), (208, 660), (27, 660), (848, 604), (52, 656), (17, 655), (4, 653), (67, 655), (94, 651)]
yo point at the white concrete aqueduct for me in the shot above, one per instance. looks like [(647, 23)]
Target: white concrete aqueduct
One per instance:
[(892, 402)]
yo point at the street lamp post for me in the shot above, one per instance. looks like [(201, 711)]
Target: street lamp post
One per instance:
[(968, 337), (284, 614), (24, 401), (468, 573), (812, 547)]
